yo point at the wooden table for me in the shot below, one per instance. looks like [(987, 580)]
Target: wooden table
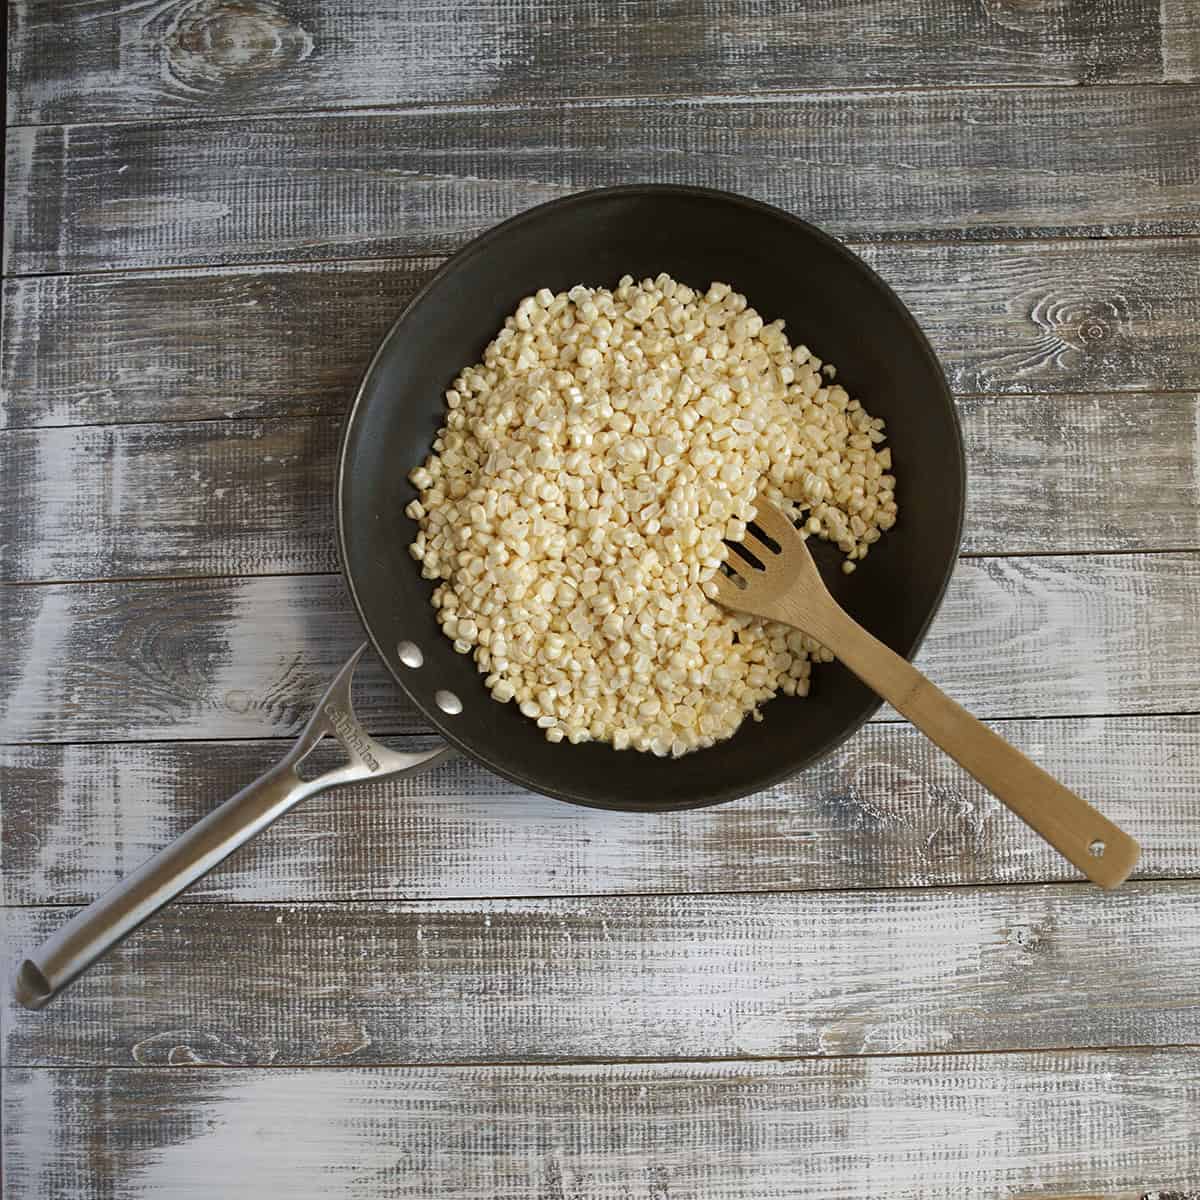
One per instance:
[(868, 982)]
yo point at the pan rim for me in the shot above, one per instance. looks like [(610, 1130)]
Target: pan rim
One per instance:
[(482, 243)]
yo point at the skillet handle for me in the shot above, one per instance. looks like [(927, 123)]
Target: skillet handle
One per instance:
[(97, 929)]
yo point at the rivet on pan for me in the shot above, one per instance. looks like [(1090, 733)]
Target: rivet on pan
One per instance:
[(410, 654), (449, 703), (1098, 848)]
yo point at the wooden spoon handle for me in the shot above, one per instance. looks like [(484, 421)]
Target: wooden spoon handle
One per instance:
[(1085, 837)]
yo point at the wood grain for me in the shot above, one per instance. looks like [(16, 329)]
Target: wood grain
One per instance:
[(1087, 472), (293, 340), (1180, 40), (215, 57), (832, 973), (209, 498), (248, 657), (959, 1127), (1099, 473), (1042, 636), (981, 163), (884, 810), (1055, 316), (1053, 636), (196, 344)]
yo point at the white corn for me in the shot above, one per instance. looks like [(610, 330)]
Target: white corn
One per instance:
[(574, 507)]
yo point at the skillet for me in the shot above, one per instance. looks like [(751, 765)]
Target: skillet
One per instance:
[(831, 301)]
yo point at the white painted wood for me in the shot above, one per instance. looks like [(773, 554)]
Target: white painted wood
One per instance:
[(665, 977), (1076, 1124), (1016, 637), (1058, 317), (1109, 472), (1078, 634), (1106, 472), (885, 810), (169, 345), (247, 656), (113, 59), (1180, 25), (980, 163), (197, 498)]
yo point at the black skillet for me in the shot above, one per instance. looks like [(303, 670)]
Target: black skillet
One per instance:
[(831, 301)]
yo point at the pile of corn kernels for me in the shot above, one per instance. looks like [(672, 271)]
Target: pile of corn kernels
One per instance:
[(578, 497)]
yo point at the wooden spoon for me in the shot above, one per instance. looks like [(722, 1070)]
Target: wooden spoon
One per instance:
[(788, 588)]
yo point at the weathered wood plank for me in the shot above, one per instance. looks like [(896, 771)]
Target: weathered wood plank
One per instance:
[(113, 60), (1016, 637), (1180, 41), (209, 498), (871, 165), (958, 1127), (665, 977), (1055, 317), (1112, 472), (179, 344), (1055, 636), (885, 810), (1099, 473), (293, 340), (246, 657)]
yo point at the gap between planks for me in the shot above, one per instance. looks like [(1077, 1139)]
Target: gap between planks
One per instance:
[(966, 885), (717, 1060)]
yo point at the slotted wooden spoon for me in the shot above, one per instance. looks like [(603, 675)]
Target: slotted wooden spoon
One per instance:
[(788, 588)]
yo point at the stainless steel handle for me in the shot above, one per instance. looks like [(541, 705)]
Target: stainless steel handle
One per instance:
[(94, 931)]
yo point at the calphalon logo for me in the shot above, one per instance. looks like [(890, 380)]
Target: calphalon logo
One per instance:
[(346, 727)]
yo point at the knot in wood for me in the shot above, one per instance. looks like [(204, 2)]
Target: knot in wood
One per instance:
[(217, 42), (199, 1047), (1034, 938), (1071, 327), (1024, 16)]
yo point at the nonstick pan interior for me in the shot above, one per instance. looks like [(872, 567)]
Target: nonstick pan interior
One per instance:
[(831, 301)]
